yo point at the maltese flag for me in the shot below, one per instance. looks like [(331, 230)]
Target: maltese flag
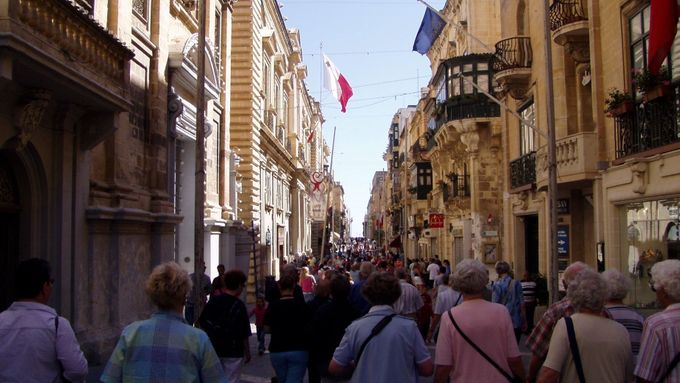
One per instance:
[(662, 30), (335, 82)]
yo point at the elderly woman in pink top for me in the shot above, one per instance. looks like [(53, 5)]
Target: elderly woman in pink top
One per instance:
[(495, 357), (307, 282)]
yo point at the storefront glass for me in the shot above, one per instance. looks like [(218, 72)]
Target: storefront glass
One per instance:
[(650, 233)]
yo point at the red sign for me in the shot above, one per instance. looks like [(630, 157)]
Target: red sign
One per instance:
[(436, 220)]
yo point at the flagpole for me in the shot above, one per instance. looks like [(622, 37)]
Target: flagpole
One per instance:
[(328, 193)]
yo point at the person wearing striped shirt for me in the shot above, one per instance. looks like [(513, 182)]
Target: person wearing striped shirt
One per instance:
[(660, 344), (618, 286)]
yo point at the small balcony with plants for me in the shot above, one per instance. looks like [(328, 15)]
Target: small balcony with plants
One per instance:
[(646, 122), (511, 65)]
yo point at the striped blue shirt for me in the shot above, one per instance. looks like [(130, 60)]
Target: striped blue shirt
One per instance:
[(163, 348), (631, 320)]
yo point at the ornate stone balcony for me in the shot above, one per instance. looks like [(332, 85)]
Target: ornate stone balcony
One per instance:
[(576, 157), (511, 65), (70, 36), (569, 26)]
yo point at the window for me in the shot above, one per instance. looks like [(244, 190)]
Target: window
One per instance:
[(639, 38), (527, 136), (266, 83), (218, 41), (267, 188), (648, 234)]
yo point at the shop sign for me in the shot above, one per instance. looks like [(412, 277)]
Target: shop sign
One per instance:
[(436, 220), (563, 206)]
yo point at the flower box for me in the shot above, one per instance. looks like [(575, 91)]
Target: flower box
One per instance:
[(658, 91), (621, 109)]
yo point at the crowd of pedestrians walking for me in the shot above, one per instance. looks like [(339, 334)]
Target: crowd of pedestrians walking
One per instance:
[(363, 319)]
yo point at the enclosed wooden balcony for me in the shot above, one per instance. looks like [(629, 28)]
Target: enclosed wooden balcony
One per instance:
[(511, 65), (569, 26)]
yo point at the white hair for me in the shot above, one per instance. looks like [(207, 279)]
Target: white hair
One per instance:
[(618, 284), (666, 275), (588, 290), (470, 277)]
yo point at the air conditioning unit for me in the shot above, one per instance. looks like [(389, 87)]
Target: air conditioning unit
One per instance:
[(429, 233)]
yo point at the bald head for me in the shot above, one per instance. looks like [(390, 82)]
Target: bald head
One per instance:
[(572, 271)]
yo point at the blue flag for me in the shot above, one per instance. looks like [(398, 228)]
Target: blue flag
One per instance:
[(430, 29)]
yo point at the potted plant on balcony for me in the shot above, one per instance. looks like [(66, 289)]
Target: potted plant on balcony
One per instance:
[(618, 103), (652, 86)]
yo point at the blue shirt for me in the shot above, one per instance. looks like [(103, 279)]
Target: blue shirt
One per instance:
[(511, 299), (163, 348), (357, 300), (391, 356)]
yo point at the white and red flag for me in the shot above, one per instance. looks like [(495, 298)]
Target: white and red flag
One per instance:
[(662, 28), (334, 81)]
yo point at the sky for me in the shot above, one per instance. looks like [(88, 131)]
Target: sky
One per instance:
[(370, 43)]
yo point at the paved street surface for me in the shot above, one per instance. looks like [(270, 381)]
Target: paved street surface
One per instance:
[(260, 370)]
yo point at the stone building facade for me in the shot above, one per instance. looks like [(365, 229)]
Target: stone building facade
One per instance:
[(98, 140), (617, 167), (276, 126)]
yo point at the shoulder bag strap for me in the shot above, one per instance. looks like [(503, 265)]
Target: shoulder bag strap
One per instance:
[(670, 368), (574, 349), (479, 350), (375, 331), (458, 300)]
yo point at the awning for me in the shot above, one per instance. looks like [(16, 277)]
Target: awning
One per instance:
[(396, 242)]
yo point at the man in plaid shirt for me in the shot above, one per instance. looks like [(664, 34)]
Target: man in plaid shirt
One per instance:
[(539, 340)]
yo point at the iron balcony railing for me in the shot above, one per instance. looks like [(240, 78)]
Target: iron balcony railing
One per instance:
[(649, 125), (464, 107), (460, 186), (563, 12), (523, 170), (512, 53)]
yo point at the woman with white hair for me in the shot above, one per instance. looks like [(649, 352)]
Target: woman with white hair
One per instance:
[(587, 347), (164, 348), (660, 345), (476, 340), (618, 286)]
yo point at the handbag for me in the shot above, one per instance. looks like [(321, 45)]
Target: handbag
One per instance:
[(510, 378), (573, 345)]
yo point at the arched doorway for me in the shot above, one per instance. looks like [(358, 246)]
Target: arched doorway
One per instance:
[(10, 223)]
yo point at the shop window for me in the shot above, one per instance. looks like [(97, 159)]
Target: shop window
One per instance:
[(650, 234)]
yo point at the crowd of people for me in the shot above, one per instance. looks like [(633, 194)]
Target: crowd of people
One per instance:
[(363, 319)]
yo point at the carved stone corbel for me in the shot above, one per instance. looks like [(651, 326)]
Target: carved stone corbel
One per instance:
[(30, 114), (521, 201), (638, 170)]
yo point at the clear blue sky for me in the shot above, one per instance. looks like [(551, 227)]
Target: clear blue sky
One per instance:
[(370, 42)]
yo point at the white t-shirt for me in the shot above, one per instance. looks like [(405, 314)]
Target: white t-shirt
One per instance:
[(433, 268)]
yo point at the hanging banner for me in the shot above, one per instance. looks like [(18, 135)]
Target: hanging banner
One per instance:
[(436, 220)]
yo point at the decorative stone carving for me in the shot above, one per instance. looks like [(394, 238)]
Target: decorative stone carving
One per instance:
[(578, 49), (30, 115), (8, 193), (471, 140), (175, 109), (521, 201), (638, 170)]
